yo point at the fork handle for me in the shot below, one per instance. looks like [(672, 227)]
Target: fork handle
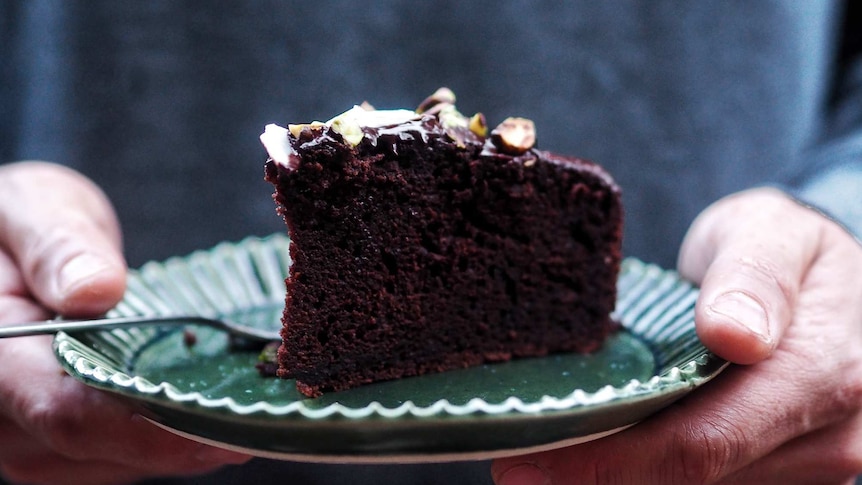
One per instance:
[(54, 326)]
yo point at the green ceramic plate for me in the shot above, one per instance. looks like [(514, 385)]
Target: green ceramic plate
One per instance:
[(214, 395)]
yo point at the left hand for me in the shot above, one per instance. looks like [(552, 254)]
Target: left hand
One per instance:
[(60, 252), (781, 293)]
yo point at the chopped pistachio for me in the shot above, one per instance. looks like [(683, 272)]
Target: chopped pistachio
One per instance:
[(350, 130), (295, 130), (478, 125), (514, 135), (450, 118), (442, 95)]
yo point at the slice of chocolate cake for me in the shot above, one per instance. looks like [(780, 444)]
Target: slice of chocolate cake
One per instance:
[(420, 243)]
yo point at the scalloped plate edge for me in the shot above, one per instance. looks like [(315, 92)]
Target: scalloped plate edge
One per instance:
[(87, 364)]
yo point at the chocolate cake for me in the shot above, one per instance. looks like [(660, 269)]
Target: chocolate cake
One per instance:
[(422, 243)]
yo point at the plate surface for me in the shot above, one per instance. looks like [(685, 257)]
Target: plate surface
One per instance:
[(213, 394)]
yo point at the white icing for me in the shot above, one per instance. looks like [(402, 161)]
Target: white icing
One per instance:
[(374, 118), (349, 124), (275, 140)]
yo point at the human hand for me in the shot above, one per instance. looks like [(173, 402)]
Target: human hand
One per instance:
[(60, 252), (781, 292)]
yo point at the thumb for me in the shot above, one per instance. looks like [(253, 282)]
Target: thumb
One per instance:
[(64, 236), (750, 253)]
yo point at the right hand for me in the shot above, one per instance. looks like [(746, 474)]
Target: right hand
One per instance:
[(60, 253)]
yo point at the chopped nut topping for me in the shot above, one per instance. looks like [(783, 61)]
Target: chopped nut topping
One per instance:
[(442, 95), (349, 129), (295, 130), (451, 118), (478, 125), (437, 109), (514, 135)]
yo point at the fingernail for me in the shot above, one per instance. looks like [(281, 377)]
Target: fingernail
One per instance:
[(79, 270), (745, 311), (525, 474)]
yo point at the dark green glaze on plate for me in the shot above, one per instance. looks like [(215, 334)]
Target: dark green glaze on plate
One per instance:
[(214, 395)]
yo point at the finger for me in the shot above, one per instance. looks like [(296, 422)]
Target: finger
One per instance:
[(697, 440), (64, 236), (812, 381), (29, 459), (743, 415), (81, 423), (829, 455), (55, 469), (750, 253), (16, 304), (26, 460)]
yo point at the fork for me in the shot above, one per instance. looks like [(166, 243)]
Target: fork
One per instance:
[(226, 322)]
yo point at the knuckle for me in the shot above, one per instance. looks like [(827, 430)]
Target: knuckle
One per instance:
[(848, 395), (706, 452), (40, 252), (55, 239), (762, 268)]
